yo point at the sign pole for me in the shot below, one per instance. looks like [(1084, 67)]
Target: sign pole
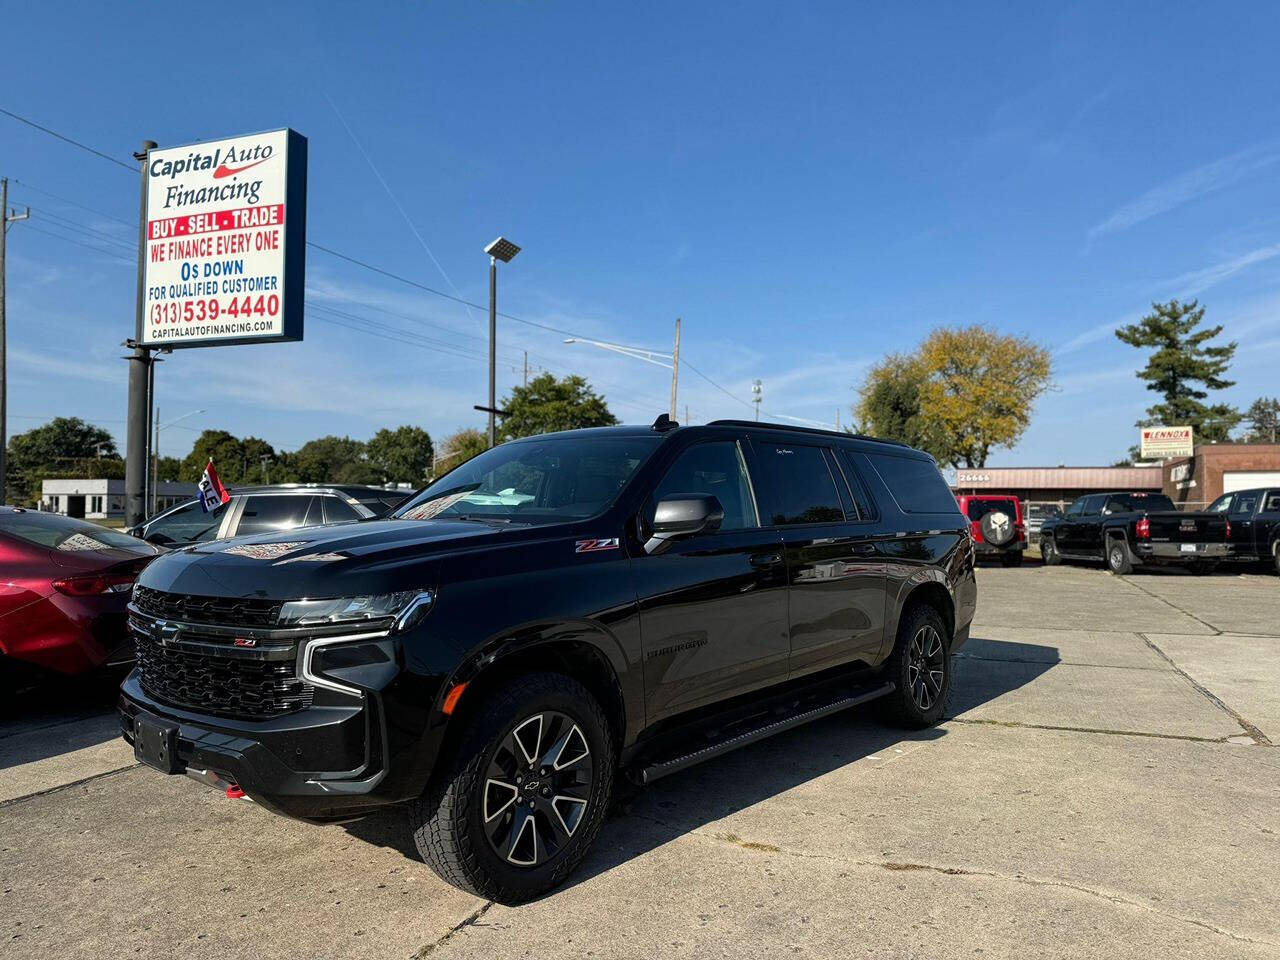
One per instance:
[(138, 418)]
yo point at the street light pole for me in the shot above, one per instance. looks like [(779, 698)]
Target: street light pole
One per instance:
[(5, 219), (504, 250), (493, 348), (675, 369)]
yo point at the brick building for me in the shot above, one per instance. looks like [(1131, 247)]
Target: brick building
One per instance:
[(1216, 468)]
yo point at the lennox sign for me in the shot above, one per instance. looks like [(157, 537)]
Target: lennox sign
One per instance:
[(1161, 442), (224, 246)]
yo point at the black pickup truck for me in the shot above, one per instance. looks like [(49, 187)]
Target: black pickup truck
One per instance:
[(1254, 518), (1127, 530)]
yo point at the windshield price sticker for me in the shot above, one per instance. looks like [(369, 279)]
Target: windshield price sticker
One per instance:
[(223, 259)]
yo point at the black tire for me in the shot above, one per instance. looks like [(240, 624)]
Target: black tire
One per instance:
[(1275, 555), (1049, 552), (1012, 559), (1119, 561), (448, 822), (906, 707)]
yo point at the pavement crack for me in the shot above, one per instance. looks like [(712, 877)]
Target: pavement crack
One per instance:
[(956, 871), (63, 786), (1155, 596), (1102, 730), (468, 921), (1252, 731)]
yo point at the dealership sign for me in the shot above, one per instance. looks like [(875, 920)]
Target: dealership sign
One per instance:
[(1161, 442), (226, 230)]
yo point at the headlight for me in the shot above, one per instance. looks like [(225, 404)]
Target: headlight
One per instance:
[(406, 607)]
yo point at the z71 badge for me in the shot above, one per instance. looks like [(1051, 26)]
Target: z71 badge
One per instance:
[(591, 546)]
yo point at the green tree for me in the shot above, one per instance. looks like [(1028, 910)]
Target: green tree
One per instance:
[(333, 460), (459, 447), (66, 446), (1183, 368), (889, 405), (402, 455), (238, 462), (548, 404), (1264, 421), (962, 393)]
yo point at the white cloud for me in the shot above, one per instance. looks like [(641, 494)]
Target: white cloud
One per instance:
[(1188, 186), (1197, 281)]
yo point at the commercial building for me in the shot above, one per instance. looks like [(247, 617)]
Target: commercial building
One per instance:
[(103, 499), (1054, 485), (1216, 468)]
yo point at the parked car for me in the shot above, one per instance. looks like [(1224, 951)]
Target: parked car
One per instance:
[(268, 509), (1253, 517), (65, 586), (556, 609), (995, 523), (1125, 530)]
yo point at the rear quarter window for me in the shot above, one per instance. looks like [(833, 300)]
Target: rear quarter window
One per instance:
[(915, 485)]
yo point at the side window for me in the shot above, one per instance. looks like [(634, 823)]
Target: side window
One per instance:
[(864, 505), (337, 510), (1222, 504), (915, 484), (1244, 503), (1076, 508), (714, 468), (1272, 504), (799, 485), (1092, 505), (189, 524), (272, 514)]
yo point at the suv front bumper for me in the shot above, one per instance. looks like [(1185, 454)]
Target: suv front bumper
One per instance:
[(322, 763)]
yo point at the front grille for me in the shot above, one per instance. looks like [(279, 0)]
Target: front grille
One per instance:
[(223, 611), (235, 684)]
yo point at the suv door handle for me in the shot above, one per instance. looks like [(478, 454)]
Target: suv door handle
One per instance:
[(864, 549), (761, 560)]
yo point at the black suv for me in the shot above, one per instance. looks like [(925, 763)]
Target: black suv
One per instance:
[(554, 611)]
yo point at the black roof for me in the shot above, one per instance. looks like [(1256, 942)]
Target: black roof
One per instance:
[(793, 428), (661, 429)]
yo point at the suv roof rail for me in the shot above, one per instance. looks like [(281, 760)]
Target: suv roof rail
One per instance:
[(792, 428)]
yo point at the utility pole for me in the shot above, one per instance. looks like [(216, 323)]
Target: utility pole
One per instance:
[(757, 394), (526, 368), (266, 472), (675, 369), (139, 409), (837, 419), (7, 217), (155, 456), (686, 415)]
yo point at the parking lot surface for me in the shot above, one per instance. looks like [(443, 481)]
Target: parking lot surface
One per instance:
[(1107, 784)]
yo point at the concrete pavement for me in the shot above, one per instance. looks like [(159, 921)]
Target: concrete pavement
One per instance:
[(1107, 785)]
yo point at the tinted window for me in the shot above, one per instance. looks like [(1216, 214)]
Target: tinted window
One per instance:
[(716, 469), (801, 487), (977, 509), (337, 510), (1092, 505), (1272, 503), (1123, 502), (864, 506), (270, 514), (915, 484), (535, 481), (187, 524), (1222, 504)]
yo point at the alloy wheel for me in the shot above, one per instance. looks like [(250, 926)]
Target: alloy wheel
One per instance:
[(926, 667), (537, 788), (1117, 556)]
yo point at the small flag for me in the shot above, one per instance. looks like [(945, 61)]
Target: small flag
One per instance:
[(212, 493)]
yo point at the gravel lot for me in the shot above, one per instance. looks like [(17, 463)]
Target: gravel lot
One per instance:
[(1108, 784)]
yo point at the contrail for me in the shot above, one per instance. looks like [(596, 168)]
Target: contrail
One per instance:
[(386, 187)]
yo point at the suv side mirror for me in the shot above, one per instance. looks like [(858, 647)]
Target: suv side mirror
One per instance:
[(683, 515)]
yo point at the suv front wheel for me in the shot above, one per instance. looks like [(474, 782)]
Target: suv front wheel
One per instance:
[(920, 666), (525, 794)]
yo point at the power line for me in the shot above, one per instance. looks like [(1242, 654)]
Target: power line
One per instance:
[(75, 143), (74, 203), (80, 243)]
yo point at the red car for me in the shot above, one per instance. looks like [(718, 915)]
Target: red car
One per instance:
[(64, 584), (995, 521)]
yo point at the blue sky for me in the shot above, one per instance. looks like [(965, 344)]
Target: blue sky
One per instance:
[(809, 186)]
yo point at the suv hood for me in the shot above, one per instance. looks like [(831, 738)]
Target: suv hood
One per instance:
[(342, 559)]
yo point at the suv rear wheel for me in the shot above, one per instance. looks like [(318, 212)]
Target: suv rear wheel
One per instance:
[(920, 665), (525, 794)]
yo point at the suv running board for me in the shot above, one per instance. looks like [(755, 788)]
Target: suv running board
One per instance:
[(656, 771)]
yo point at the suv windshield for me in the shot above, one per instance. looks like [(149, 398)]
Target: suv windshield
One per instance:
[(535, 481), (977, 509)]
